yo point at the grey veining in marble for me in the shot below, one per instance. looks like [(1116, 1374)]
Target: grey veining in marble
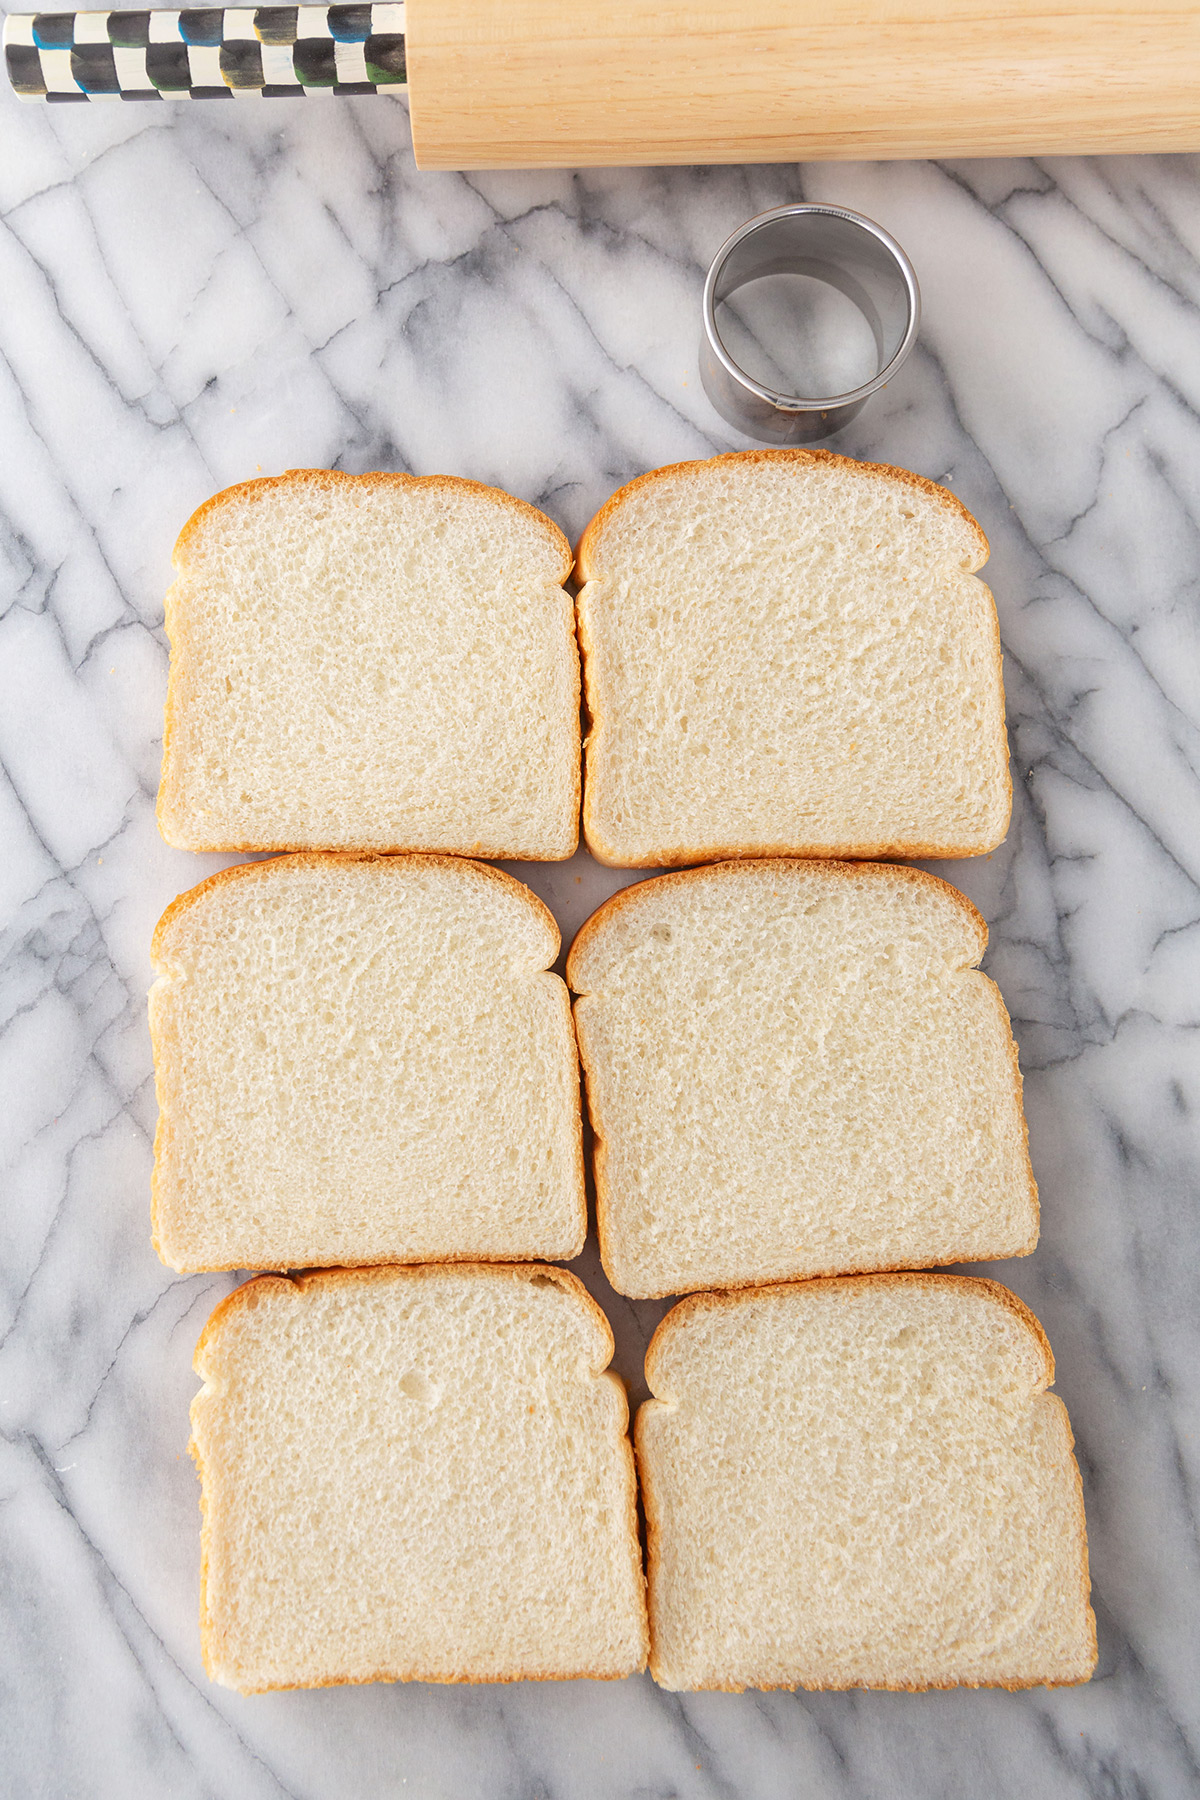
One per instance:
[(191, 295)]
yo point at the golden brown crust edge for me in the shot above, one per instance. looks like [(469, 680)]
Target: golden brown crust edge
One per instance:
[(636, 892), (694, 855), (950, 503), (666, 856), (718, 1300), (631, 896), (995, 1291), (369, 1275), (256, 872), (527, 1272), (286, 847), (253, 872), (258, 487), (249, 491)]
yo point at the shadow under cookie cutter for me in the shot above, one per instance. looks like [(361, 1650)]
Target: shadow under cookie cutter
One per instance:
[(845, 251)]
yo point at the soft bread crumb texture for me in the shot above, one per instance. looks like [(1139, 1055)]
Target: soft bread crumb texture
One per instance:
[(794, 1068), (373, 662), (415, 1474), (860, 1483), (363, 1059), (786, 652)]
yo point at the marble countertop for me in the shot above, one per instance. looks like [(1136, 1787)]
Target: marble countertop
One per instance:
[(193, 294)]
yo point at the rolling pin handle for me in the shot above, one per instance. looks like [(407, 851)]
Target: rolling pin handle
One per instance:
[(207, 53)]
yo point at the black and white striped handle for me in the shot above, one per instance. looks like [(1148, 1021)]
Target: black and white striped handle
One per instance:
[(206, 53)]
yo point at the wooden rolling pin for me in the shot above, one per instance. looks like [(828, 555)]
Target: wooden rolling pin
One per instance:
[(560, 83)]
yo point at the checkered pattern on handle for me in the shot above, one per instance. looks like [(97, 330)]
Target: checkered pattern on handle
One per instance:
[(206, 53)]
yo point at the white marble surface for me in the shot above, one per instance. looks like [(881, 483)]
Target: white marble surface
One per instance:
[(191, 294)]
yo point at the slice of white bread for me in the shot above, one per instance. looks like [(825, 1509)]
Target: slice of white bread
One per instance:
[(861, 1483), (415, 1475), (363, 1059), (787, 653), (794, 1068), (371, 662)]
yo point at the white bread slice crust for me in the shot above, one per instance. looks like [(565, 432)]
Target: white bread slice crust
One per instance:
[(787, 653), (371, 662), (360, 1060), (795, 1069), (415, 1475), (861, 1483)]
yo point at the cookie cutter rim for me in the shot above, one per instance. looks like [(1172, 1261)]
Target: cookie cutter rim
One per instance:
[(765, 413)]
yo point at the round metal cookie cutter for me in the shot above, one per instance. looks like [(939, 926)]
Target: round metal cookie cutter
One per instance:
[(835, 246)]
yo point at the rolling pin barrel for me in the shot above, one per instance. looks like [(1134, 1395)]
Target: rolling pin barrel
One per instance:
[(553, 83), (560, 83)]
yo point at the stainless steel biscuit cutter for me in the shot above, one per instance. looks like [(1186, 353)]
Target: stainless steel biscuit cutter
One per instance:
[(847, 252)]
